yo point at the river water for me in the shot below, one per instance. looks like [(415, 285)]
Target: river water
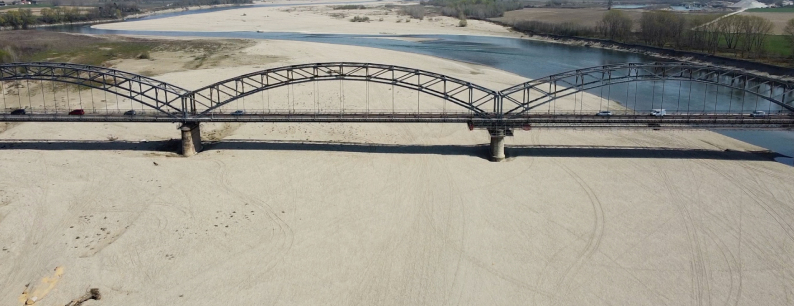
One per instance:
[(531, 59)]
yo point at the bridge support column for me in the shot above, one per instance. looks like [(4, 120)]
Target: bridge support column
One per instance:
[(497, 145), (191, 138)]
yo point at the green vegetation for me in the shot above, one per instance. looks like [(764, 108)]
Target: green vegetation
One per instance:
[(23, 18), (20, 46), (415, 11), (737, 36), (12, 7), (6, 57), (478, 9), (788, 32), (778, 45), (563, 29), (787, 9), (186, 3), (615, 25), (350, 7)]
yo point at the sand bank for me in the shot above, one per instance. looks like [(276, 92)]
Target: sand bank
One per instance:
[(314, 19)]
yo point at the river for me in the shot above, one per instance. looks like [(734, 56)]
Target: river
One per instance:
[(531, 59)]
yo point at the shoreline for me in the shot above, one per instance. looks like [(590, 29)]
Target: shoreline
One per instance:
[(312, 18)]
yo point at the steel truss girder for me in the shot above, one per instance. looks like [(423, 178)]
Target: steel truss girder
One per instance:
[(589, 78), (459, 92), (153, 93)]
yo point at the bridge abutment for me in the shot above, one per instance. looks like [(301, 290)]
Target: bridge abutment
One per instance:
[(497, 145), (191, 138)]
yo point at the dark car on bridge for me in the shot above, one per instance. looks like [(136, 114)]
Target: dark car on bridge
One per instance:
[(18, 112), (131, 112), (77, 112)]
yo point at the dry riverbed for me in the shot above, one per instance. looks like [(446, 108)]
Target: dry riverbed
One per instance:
[(307, 214)]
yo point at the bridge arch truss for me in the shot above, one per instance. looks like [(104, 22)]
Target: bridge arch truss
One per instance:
[(160, 96), (478, 100), (519, 100)]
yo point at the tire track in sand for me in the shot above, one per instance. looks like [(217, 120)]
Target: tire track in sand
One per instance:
[(700, 281), (596, 233)]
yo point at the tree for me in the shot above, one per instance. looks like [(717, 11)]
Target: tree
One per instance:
[(615, 25), (754, 31), (13, 19), (660, 28), (27, 17), (729, 28), (789, 32)]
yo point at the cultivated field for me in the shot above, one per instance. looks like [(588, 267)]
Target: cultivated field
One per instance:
[(779, 19), (582, 16)]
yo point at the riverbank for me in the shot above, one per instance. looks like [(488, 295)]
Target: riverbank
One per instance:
[(388, 21), (762, 69)]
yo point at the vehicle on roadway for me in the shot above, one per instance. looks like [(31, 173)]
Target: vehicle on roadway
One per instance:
[(131, 112), (18, 112), (658, 112), (77, 112), (604, 113), (238, 112), (758, 114)]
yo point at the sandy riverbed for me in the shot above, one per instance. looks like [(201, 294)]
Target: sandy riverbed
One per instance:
[(315, 19), (386, 214)]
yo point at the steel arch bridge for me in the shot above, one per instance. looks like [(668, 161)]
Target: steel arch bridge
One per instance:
[(500, 112), (510, 107), (479, 106), (477, 100), (525, 97), (160, 96)]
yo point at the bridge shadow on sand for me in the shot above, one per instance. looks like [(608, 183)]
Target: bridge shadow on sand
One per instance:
[(481, 151)]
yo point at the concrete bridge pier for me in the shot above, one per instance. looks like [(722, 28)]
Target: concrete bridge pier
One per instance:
[(191, 138), (498, 144)]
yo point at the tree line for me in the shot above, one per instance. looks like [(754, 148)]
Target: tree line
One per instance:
[(24, 18), (742, 36), (476, 9)]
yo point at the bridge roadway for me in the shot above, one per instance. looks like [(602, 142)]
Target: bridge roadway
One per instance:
[(526, 121)]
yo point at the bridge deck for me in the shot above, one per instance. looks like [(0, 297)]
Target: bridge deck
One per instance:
[(523, 121)]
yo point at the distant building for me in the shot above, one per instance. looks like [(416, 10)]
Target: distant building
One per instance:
[(787, 3), (2, 3)]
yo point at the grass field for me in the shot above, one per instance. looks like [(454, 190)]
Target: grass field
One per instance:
[(89, 50), (778, 45), (788, 9), (27, 6), (585, 17), (779, 19)]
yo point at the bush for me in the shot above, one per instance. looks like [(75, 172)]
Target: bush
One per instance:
[(415, 11), (6, 56), (462, 23), (475, 9), (563, 29), (360, 19), (144, 55), (350, 7)]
